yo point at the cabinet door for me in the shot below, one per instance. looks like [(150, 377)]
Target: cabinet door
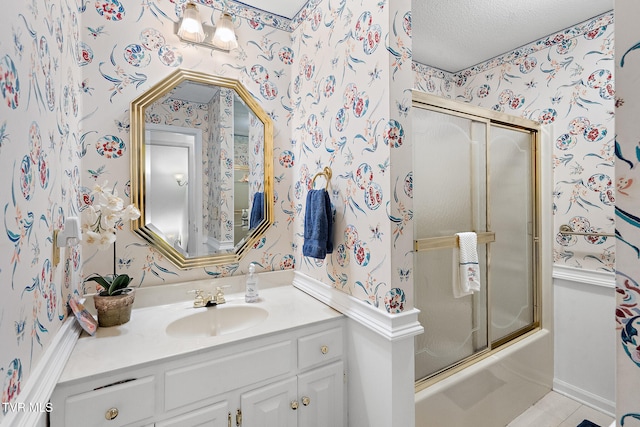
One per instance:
[(216, 415), (321, 394), (271, 405)]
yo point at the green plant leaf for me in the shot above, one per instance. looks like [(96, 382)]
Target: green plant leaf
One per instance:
[(99, 280), (121, 281)]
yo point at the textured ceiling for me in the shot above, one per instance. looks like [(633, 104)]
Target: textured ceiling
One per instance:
[(453, 35)]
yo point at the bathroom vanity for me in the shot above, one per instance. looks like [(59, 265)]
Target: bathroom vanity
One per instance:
[(279, 362)]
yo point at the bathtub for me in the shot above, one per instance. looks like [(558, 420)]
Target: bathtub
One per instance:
[(493, 391)]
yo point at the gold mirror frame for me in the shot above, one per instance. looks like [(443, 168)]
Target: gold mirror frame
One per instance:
[(138, 154)]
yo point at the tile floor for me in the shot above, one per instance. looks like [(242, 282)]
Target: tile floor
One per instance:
[(556, 410)]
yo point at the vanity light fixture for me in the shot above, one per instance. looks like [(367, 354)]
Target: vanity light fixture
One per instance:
[(180, 179), (190, 29)]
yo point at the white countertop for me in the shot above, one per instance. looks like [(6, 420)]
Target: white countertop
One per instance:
[(143, 339)]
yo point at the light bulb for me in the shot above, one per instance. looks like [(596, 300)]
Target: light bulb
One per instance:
[(191, 25), (225, 35)]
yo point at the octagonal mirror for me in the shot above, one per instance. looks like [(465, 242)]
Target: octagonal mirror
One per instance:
[(201, 168)]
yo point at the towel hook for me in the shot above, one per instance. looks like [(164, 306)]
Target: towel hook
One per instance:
[(327, 173)]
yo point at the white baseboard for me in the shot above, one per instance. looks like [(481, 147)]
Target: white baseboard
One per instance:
[(39, 386), (585, 397), (391, 326)]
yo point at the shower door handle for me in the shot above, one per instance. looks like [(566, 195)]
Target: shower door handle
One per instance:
[(446, 242)]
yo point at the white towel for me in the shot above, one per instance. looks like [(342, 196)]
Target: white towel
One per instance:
[(466, 270)]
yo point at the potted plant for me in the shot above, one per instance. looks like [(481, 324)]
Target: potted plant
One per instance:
[(114, 299), (103, 214)]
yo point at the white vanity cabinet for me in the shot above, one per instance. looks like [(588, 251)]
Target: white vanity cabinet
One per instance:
[(312, 399), (322, 396), (295, 377)]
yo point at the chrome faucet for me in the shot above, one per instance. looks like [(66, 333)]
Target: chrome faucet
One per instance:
[(202, 300)]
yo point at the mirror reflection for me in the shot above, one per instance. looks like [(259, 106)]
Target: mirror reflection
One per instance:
[(202, 178)]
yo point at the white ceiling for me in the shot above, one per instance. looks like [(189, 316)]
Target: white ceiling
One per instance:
[(191, 91), (453, 35)]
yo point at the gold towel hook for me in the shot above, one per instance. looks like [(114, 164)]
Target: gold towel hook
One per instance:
[(327, 173)]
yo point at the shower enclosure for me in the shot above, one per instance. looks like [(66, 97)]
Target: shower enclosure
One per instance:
[(478, 171)]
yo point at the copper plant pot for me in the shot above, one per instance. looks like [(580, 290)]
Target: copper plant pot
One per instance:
[(114, 310)]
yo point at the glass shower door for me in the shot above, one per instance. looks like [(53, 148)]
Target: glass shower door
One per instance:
[(449, 197), (511, 217), (474, 171)]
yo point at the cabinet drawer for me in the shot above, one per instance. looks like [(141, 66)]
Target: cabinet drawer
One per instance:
[(320, 347), (211, 415), (193, 383), (127, 403)]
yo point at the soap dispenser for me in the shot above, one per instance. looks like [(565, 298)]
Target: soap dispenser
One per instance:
[(251, 292)]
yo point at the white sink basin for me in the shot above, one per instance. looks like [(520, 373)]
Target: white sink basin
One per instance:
[(219, 320)]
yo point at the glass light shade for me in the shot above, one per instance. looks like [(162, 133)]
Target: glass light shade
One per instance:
[(191, 26), (225, 35)]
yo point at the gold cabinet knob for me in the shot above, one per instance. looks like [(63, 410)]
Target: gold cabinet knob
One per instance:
[(324, 349), (294, 404), (306, 401), (111, 414)]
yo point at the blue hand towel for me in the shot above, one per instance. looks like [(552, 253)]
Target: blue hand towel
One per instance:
[(257, 210), (318, 221)]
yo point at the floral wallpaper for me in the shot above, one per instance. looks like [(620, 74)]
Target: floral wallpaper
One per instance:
[(225, 176), (41, 91), (211, 162), (261, 63), (350, 97), (219, 170), (434, 81), (564, 81), (627, 206), (296, 86)]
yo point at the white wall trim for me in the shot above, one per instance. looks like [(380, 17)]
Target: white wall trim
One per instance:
[(585, 397), (43, 379), (588, 277), (391, 326)]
